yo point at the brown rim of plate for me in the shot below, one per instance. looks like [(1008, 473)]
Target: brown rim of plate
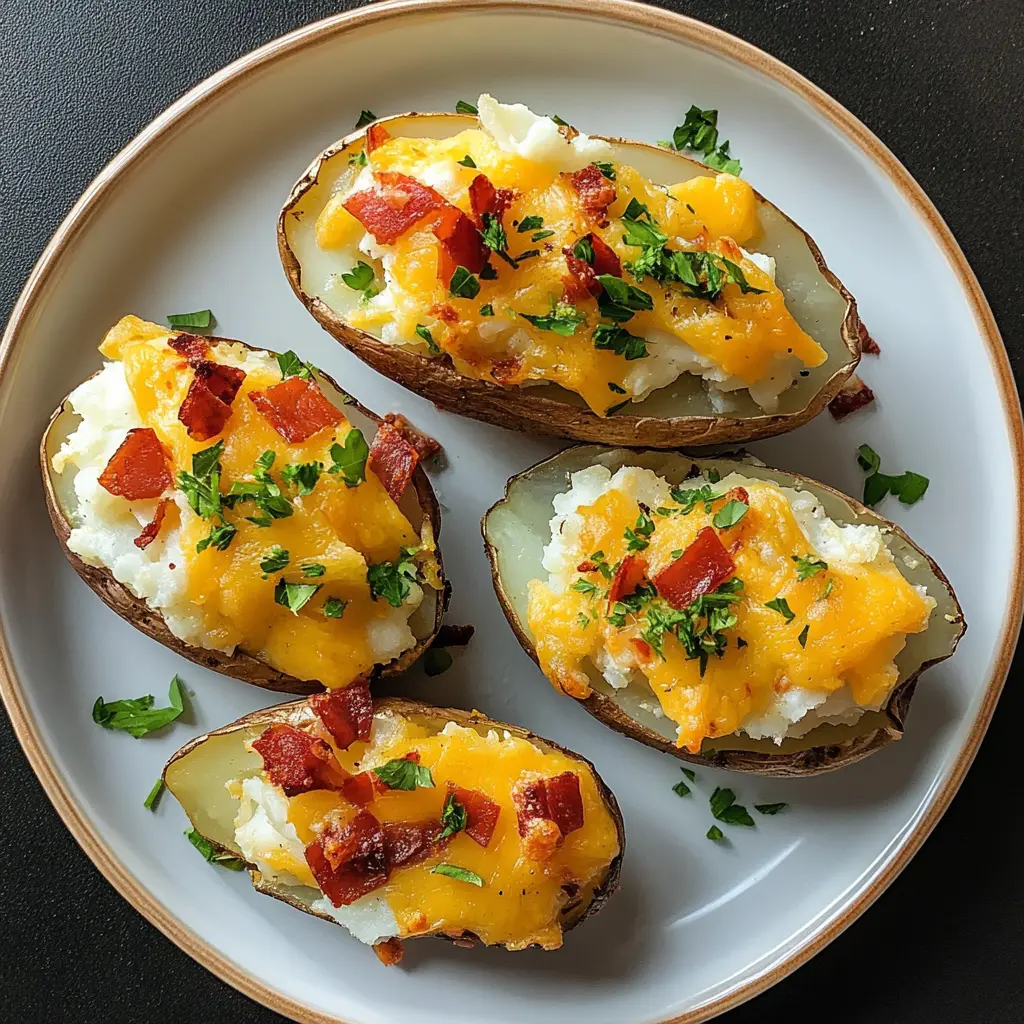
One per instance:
[(623, 12)]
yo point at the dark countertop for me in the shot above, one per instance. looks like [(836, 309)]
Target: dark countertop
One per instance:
[(940, 81)]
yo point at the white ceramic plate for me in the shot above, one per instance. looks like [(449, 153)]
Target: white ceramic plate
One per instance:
[(184, 218)]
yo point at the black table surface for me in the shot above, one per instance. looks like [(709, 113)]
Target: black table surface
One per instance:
[(940, 81)]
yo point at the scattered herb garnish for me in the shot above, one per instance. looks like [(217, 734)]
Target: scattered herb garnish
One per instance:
[(690, 498), (689, 773), (620, 300), (154, 795), (401, 773), (302, 475), (584, 250), (563, 320), (781, 605), (453, 817), (638, 536), (730, 514), (334, 607), (294, 596), (724, 808), (487, 310), (292, 366), (349, 459), (210, 852), (361, 279), (137, 716), (462, 107), (770, 808), (715, 834), (467, 161), (488, 273), (909, 487), (808, 566), (424, 333), (463, 284), (530, 223), (366, 117), (681, 788), (202, 486), (606, 168), (454, 871), (612, 386), (618, 340), (263, 492), (391, 580), (201, 318), (699, 132), (311, 570), (539, 236), (584, 587), (802, 638), (276, 560), (436, 661), (220, 536)]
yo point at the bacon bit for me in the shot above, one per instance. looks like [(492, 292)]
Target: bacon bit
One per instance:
[(737, 494), (361, 789), (555, 799), (541, 839), (581, 281), (399, 203), (138, 469), (409, 842), (854, 395), (424, 444), (505, 371), (461, 244), (444, 312), (376, 136), (389, 951), (642, 647), (453, 636), (606, 260), (868, 345), (347, 712), (151, 530), (207, 404), (191, 346), (587, 565), (413, 755), (729, 249), (628, 576), (485, 198), (595, 191), (481, 813), (299, 762), (393, 460), (223, 381), (296, 409), (350, 860), (698, 570)]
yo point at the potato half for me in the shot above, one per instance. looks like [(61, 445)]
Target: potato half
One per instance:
[(675, 415), (197, 774), (516, 530), (418, 503)]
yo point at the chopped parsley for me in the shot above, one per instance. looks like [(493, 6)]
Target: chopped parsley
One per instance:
[(220, 536), (770, 808), (461, 874), (334, 607), (432, 347), (391, 580), (690, 498), (539, 236), (612, 386), (603, 567), (584, 250), (349, 459), (724, 808), (585, 587), (563, 320), (154, 795), (137, 716), (462, 107), (311, 570), (202, 486), (262, 491), (436, 661), (276, 560), (488, 273), (715, 834), (210, 852), (294, 596), (618, 340), (302, 475), (463, 284), (402, 773), (292, 366), (621, 300), (781, 605), (730, 514), (699, 132), (638, 537), (453, 817), (530, 223), (487, 310), (201, 318), (606, 168), (361, 279), (495, 238), (366, 117), (807, 566), (467, 161), (681, 788), (357, 159), (689, 773), (802, 638), (909, 487)]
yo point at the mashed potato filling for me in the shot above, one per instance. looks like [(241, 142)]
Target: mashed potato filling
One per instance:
[(807, 636), (744, 339), (225, 599), (520, 901)]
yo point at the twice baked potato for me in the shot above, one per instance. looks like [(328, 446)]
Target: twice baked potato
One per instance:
[(717, 609), (525, 274), (399, 820), (243, 510)]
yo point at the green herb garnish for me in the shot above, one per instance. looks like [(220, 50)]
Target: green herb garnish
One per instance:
[(808, 566), (781, 605), (436, 661), (621, 300), (638, 536), (770, 808), (294, 596), (424, 333), (201, 318), (220, 536), (361, 279), (366, 117), (202, 486), (137, 716), (563, 320), (618, 340), (462, 107), (453, 817), (349, 459), (401, 773), (311, 570), (210, 852), (467, 161), (154, 795), (715, 834), (909, 487), (454, 871), (730, 514), (463, 284), (724, 808), (802, 638), (530, 223), (606, 168), (302, 475), (292, 366), (699, 132), (487, 310), (334, 607), (391, 580)]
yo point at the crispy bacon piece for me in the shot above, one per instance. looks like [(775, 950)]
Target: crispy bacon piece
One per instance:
[(207, 404), (581, 280), (557, 799), (350, 860), (629, 575), (223, 381), (485, 198), (424, 444), (541, 838), (461, 244), (347, 712), (191, 346), (361, 788), (481, 813), (376, 136), (389, 951), (139, 468), (296, 409), (399, 203), (853, 395), (642, 647), (737, 494), (393, 459), (297, 761), (453, 636), (606, 260), (505, 371), (409, 842), (151, 530), (703, 566), (596, 192), (868, 345)]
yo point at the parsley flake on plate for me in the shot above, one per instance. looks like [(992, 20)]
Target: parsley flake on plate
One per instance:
[(201, 319), (137, 716), (212, 854)]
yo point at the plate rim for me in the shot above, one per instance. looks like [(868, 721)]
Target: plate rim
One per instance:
[(621, 12)]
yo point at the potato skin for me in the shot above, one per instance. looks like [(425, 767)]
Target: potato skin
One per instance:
[(814, 759), (297, 712), (522, 409), (239, 665)]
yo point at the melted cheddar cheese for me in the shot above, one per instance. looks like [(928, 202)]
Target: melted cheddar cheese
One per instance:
[(856, 614), (737, 340), (521, 900), (344, 529)]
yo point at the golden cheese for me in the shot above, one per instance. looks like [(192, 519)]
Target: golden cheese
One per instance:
[(339, 527), (742, 333), (857, 617), (521, 900)]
